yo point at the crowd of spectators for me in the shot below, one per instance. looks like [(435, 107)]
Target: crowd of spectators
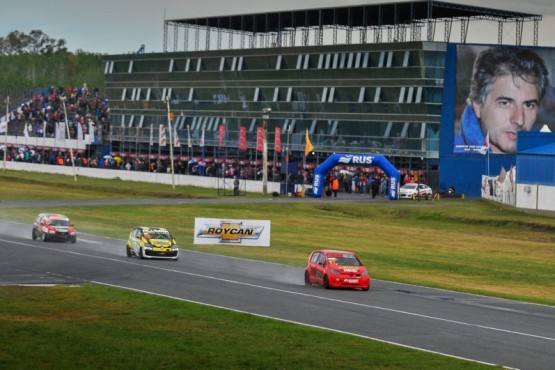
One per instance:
[(362, 181), (39, 116), (86, 109)]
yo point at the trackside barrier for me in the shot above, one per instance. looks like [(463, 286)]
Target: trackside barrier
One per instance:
[(138, 176)]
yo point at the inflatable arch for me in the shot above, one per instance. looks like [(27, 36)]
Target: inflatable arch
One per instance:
[(356, 160)]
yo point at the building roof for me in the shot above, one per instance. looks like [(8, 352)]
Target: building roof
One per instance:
[(398, 16), (375, 15)]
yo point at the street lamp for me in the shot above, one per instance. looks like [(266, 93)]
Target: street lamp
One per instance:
[(265, 118)]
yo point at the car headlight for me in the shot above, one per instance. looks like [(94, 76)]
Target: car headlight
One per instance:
[(335, 272)]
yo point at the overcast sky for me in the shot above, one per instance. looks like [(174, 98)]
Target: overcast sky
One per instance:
[(122, 26)]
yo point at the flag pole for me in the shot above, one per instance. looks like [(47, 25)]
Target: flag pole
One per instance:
[(63, 99), (171, 143), (488, 162), (6, 134)]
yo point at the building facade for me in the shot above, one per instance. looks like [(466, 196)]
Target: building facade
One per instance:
[(365, 98)]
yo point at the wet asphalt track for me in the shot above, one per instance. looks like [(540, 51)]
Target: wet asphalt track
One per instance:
[(478, 328)]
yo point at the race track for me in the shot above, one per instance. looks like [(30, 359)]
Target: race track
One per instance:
[(478, 328)]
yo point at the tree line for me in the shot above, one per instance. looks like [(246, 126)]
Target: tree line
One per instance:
[(35, 42), (36, 60)]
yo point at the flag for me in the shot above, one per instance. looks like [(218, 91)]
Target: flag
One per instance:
[(485, 148), (202, 139), (242, 138), (260, 138), (151, 135), (277, 142), (189, 142), (221, 135), (162, 136), (308, 145), (176, 142)]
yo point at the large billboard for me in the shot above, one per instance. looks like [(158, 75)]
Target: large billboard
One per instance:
[(501, 90)]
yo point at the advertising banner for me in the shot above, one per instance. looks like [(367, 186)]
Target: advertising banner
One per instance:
[(277, 144), (242, 138), (501, 91), (232, 232), (260, 138)]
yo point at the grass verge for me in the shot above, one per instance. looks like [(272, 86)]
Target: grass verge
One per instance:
[(93, 327)]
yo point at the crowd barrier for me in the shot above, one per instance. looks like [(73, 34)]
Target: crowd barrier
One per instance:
[(139, 176)]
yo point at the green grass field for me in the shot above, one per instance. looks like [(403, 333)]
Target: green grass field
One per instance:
[(465, 245)]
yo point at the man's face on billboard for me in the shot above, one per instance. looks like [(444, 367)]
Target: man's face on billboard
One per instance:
[(511, 106)]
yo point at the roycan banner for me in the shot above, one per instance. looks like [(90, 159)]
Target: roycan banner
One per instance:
[(232, 232)]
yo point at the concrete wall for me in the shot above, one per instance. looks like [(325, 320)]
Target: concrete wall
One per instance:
[(160, 178)]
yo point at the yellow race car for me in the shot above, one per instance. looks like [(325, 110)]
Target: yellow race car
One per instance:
[(152, 242)]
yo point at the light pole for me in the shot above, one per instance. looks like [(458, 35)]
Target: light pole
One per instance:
[(265, 118), (63, 99), (287, 128)]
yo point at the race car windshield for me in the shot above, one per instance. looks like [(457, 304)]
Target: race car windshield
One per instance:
[(58, 223), (347, 261), (163, 236)]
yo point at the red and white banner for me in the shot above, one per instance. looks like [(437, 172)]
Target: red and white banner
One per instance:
[(277, 143), (222, 134), (162, 136), (260, 138), (242, 138)]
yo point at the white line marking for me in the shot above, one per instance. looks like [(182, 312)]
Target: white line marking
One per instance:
[(291, 292), (296, 323)]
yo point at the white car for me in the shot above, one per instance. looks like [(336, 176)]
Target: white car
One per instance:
[(413, 190)]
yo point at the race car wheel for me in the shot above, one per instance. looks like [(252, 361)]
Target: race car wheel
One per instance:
[(129, 253), (33, 235), (73, 240), (307, 279), (326, 282), (141, 253), (44, 238)]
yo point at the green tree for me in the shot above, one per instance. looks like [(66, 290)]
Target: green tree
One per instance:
[(36, 42)]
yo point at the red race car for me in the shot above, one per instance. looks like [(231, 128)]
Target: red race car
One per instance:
[(336, 269), (53, 226)]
